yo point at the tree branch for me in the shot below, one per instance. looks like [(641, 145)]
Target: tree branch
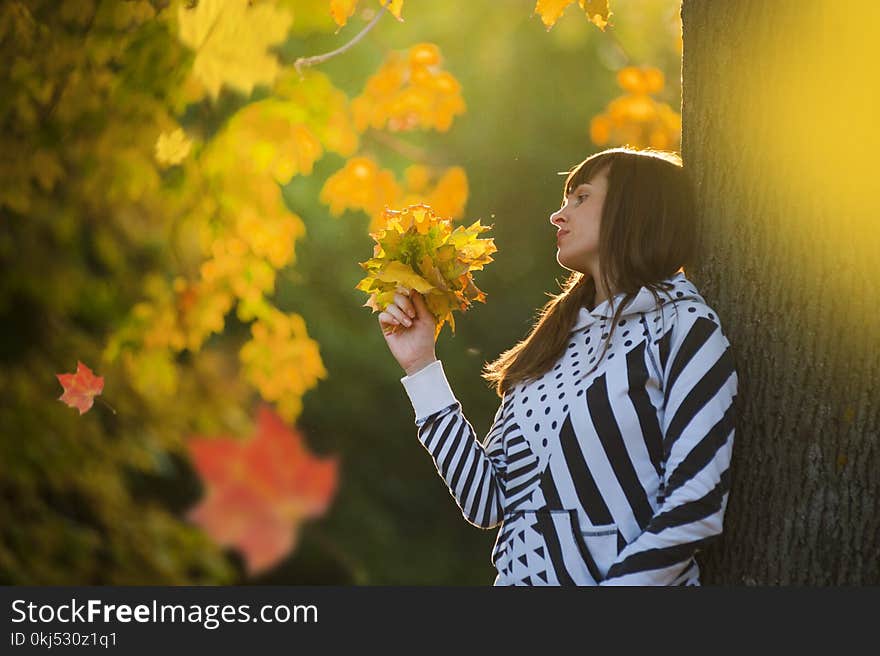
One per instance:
[(408, 150), (317, 59), (612, 36)]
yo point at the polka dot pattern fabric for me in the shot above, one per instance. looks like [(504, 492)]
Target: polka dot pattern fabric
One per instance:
[(540, 406), (583, 467)]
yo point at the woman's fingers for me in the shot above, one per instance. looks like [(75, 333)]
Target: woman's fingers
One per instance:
[(407, 307), (388, 323), (405, 303), (421, 306), (398, 314)]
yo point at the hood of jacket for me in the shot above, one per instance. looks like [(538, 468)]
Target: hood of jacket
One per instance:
[(682, 290)]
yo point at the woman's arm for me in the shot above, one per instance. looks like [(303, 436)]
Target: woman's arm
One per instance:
[(474, 472), (698, 427)]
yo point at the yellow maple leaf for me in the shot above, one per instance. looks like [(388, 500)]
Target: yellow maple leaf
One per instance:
[(360, 184), (635, 118), (597, 11), (403, 274), (324, 107), (341, 10), (172, 147), (550, 10), (418, 249), (267, 136), (450, 195), (231, 40), (409, 91), (416, 177), (282, 360), (641, 79)]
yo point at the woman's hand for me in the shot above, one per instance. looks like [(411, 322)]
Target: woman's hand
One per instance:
[(409, 326)]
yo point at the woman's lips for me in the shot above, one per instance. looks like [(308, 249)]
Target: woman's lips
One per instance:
[(560, 235)]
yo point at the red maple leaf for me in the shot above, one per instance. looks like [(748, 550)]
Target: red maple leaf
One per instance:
[(259, 491), (80, 388)]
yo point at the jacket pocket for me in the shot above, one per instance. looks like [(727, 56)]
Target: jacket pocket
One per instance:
[(599, 542), (499, 548)]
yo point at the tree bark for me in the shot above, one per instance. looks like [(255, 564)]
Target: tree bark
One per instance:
[(780, 108)]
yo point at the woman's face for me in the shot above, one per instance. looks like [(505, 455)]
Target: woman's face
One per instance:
[(578, 223)]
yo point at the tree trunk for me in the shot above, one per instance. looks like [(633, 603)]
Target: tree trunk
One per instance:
[(780, 108)]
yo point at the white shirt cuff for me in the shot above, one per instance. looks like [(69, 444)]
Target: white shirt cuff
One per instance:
[(428, 389)]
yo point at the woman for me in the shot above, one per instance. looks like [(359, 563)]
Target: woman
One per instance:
[(607, 462)]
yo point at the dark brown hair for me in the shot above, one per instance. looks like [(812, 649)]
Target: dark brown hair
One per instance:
[(647, 234)]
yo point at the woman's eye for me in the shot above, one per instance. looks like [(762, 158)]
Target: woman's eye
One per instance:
[(579, 197)]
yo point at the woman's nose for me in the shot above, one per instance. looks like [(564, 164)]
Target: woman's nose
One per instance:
[(554, 218)]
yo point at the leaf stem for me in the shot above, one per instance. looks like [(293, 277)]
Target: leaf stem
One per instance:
[(408, 150), (612, 36), (318, 59), (101, 399)]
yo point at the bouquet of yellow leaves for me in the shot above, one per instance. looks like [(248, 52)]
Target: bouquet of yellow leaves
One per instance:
[(418, 249)]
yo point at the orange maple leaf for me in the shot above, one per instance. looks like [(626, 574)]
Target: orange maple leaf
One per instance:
[(80, 388), (259, 491)]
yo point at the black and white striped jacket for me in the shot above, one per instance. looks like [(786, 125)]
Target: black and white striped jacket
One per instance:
[(616, 477)]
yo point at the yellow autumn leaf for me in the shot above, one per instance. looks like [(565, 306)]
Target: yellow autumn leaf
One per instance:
[(417, 248), (635, 118), (446, 191), (416, 177), (641, 79), (550, 10), (360, 184), (431, 273), (409, 91), (394, 8), (324, 108), (267, 136), (231, 39), (441, 306), (597, 12), (172, 147), (404, 275), (341, 10), (451, 192)]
